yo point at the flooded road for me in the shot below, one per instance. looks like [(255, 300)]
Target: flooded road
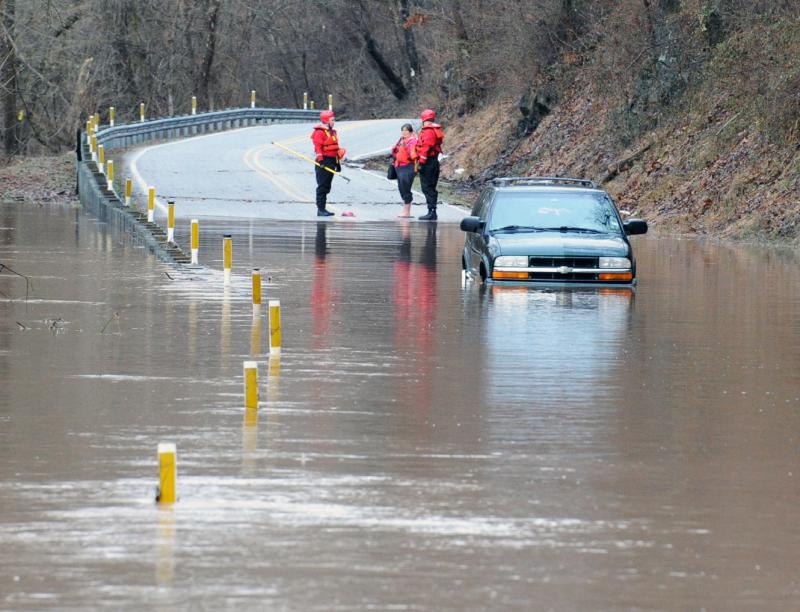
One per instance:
[(423, 443)]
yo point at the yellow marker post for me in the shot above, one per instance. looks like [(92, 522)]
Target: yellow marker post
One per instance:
[(195, 240), (250, 385), (96, 120), (111, 114), (274, 327), (110, 173), (330, 102), (168, 472), (101, 158), (312, 104), (305, 100), (227, 258), (252, 98), (170, 221), (93, 146), (194, 105), (128, 191), (141, 112), (89, 132), (151, 203), (256, 292)]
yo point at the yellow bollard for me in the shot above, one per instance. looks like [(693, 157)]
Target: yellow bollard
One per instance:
[(151, 203), (251, 385), (93, 146), (110, 173), (111, 113), (128, 191), (168, 472), (256, 292), (252, 98), (170, 221), (305, 100), (101, 158), (312, 104), (274, 327), (195, 240), (96, 120), (330, 102), (89, 132), (141, 112), (227, 258), (194, 105)]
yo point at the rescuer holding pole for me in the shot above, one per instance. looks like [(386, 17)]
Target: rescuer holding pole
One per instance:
[(429, 145), (328, 155)]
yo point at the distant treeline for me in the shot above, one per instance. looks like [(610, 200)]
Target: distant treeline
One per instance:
[(62, 59)]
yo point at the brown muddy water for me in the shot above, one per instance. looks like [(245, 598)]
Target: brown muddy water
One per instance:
[(423, 443)]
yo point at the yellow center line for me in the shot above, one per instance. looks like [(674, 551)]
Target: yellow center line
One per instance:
[(252, 161)]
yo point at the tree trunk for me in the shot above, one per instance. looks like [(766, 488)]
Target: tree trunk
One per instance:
[(8, 78), (385, 72), (408, 35), (208, 56)]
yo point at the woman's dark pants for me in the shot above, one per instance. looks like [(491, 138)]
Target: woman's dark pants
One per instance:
[(405, 178)]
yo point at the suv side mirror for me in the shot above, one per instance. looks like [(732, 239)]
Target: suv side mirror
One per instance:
[(635, 226), (471, 224)]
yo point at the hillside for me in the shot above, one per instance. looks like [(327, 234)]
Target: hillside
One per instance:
[(722, 158)]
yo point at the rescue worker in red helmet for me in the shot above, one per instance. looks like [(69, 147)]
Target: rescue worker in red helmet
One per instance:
[(429, 145), (329, 155)]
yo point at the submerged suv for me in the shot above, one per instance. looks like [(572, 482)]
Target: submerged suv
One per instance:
[(551, 230)]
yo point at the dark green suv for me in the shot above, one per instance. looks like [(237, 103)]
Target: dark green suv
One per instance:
[(550, 230)]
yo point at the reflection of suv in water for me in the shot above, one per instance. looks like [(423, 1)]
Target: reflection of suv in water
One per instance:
[(549, 230)]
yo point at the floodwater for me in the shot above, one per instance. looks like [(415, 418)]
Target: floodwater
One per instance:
[(423, 443)]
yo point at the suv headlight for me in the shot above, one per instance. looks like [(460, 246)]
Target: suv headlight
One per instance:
[(615, 262), (511, 261)]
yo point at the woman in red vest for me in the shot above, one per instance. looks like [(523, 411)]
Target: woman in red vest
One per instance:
[(405, 161)]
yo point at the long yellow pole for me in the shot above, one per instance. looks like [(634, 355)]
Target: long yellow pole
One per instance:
[(308, 159)]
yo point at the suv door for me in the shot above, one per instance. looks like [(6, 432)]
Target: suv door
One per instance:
[(476, 243)]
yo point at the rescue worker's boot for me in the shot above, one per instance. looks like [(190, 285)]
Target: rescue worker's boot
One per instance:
[(321, 212), (431, 216)]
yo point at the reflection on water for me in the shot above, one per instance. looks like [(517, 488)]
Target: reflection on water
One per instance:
[(421, 443)]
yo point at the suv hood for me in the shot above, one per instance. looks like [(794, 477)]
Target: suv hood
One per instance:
[(558, 244)]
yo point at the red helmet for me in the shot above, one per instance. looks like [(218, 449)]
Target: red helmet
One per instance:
[(325, 116), (428, 115)]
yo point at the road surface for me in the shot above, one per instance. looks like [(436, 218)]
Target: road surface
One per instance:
[(242, 174)]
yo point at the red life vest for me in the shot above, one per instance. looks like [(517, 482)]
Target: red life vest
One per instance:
[(326, 142), (430, 141), (405, 151)]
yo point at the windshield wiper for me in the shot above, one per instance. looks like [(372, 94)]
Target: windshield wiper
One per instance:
[(570, 228), (515, 228)]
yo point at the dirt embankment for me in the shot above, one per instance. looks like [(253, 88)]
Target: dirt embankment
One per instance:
[(39, 180), (723, 161)]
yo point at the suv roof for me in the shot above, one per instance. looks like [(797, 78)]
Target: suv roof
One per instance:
[(543, 181)]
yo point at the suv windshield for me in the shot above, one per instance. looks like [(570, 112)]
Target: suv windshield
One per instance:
[(591, 212)]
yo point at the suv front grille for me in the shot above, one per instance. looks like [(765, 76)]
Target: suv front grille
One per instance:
[(557, 262)]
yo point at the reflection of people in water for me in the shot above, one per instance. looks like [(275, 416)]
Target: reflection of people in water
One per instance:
[(415, 302), (321, 289)]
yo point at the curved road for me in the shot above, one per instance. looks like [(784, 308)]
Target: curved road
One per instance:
[(240, 173)]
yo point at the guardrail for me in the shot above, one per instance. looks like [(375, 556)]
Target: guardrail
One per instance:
[(131, 134)]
